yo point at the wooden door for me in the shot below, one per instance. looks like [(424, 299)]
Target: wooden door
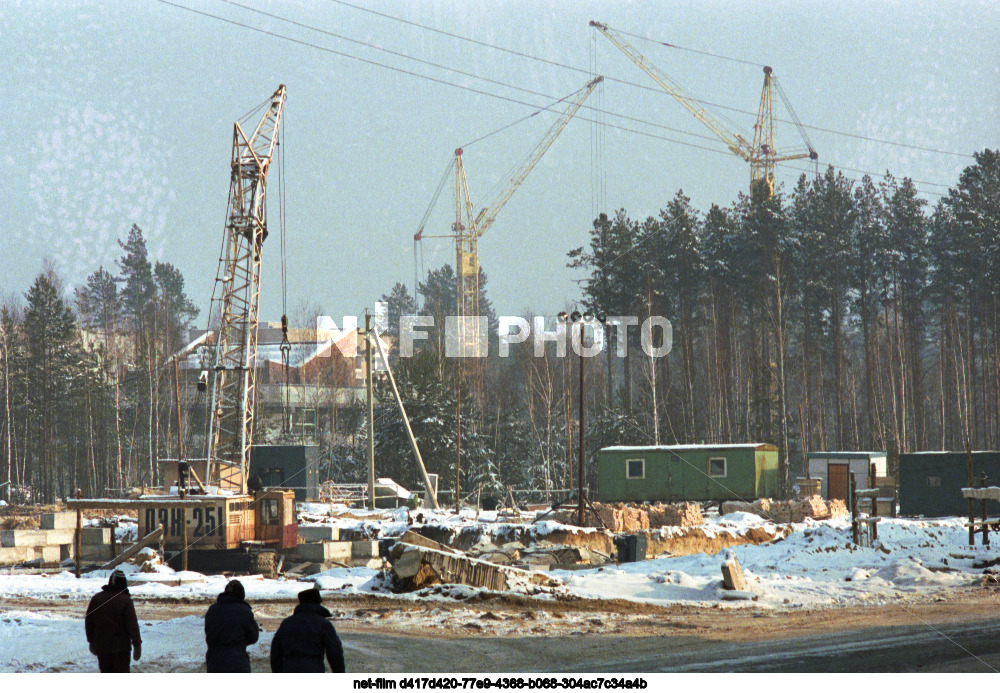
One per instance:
[(836, 481)]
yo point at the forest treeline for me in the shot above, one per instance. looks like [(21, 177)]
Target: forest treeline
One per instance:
[(838, 315), (86, 401)]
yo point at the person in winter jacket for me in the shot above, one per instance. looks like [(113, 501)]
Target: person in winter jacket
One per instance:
[(305, 637), (229, 627), (111, 625)]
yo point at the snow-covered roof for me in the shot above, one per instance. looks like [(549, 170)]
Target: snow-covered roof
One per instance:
[(950, 452), (846, 453), (686, 448)]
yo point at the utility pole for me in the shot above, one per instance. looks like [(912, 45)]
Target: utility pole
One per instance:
[(458, 446), (371, 411), (579, 487)]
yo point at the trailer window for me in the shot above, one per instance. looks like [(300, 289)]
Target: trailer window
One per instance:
[(716, 466), (934, 481), (635, 469), (269, 512)]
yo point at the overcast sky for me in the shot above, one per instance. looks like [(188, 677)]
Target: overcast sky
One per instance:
[(121, 113)]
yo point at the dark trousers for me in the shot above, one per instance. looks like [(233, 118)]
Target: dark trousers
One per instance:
[(117, 663)]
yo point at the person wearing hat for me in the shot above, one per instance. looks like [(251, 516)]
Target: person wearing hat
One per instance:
[(112, 627), (305, 637), (229, 627)]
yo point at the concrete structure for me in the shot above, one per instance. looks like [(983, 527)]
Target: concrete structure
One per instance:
[(833, 469), (671, 473), (314, 533), (931, 483), (321, 552)]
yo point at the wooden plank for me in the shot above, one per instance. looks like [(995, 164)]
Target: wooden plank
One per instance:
[(988, 493), (128, 553)]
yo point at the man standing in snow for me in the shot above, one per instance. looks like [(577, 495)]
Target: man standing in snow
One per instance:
[(229, 628), (112, 628), (304, 637)]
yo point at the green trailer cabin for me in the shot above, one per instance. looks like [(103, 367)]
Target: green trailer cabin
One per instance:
[(931, 483), (670, 473)]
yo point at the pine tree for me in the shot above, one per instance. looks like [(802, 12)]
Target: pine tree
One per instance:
[(52, 348)]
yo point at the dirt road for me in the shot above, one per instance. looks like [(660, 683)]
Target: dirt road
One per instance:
[(503, 633)]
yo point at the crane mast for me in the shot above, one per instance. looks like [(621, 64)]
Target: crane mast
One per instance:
[(760, 153), (233, 374), (469, 227)]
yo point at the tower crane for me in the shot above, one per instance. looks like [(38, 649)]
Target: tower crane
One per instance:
[(470, 226), (233, 373), (760, 153)]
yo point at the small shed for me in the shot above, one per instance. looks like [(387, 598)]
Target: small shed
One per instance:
[(294, 467), (671, 473), (931, 483), (833, 469)]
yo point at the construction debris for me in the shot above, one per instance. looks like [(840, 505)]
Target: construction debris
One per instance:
[(732, 574), (788, 511), (620, 517), (415, 567)]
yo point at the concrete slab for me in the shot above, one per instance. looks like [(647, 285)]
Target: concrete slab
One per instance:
[(96, 535), (316, 533), (12, 555), (96, 552), (324, 551), (60, 536), (65, 520), (364, 549), (23, 537), (49, 554)]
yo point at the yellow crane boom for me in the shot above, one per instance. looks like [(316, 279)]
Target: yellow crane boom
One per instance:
[(760, 153), (469, 227)]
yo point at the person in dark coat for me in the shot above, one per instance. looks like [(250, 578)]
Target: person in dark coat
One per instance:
[(229, 627), (112, 627), (304, 637)]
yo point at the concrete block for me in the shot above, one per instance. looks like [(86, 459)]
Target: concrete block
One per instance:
[(12, 555), (732, 575), (58, 520), (96, 535), (96, 552), (48, 554), (322, 552), (316, 533), (364, 549), (60, 536), (23, 537)]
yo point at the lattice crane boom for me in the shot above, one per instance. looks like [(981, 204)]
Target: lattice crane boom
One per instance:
[(488, 214), (468, 228), (233, 368), (760, 153)]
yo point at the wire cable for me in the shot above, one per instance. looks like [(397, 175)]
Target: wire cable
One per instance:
[(499, 96), (644, 86)]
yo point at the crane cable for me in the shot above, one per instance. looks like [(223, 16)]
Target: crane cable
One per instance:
[(285, 347)]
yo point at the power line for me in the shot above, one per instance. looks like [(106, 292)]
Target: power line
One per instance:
[(647, 87), (459, 86), (458, 71), (441, 81)]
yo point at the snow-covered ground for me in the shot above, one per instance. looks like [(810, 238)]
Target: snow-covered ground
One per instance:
[(815, 566), (32, 641)]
